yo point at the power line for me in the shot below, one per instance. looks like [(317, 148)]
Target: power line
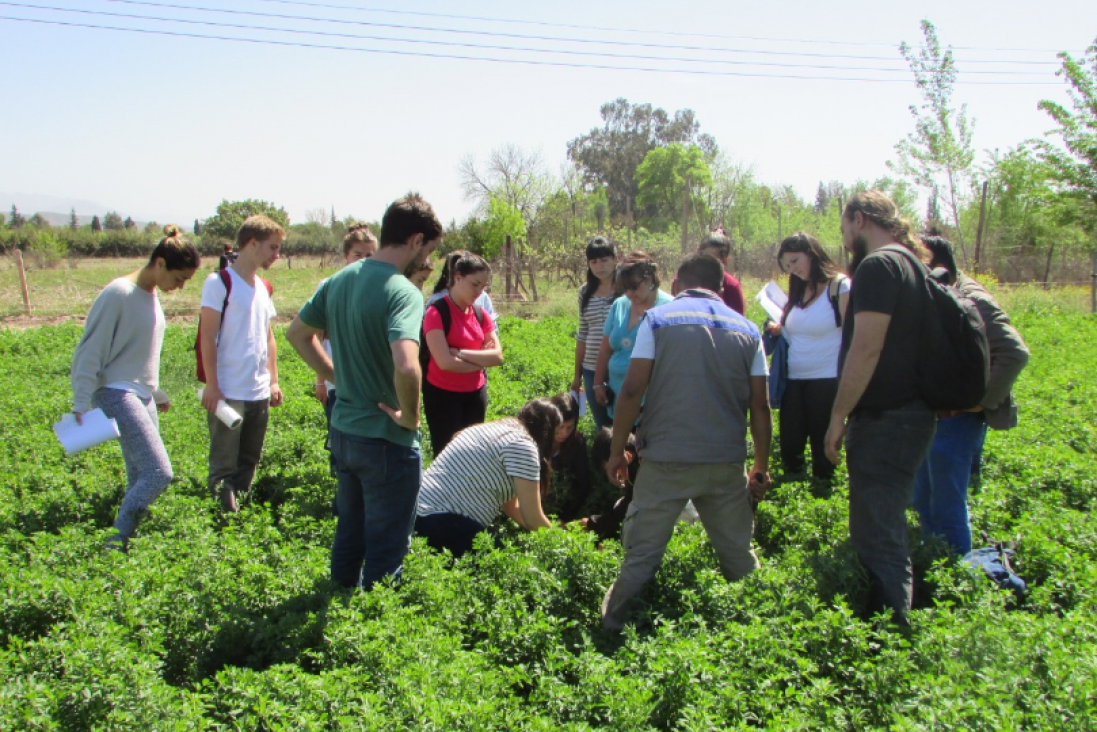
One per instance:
[(573, 26), (522, 36), (527, 62), (328, 34)]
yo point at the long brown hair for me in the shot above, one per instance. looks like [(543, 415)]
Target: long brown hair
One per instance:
[(882, 211), (823, 269)]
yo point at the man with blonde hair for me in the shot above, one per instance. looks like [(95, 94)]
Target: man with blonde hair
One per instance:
[(890, 427)]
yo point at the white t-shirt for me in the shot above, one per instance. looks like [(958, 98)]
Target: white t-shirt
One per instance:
[(813, 339), (475, 474), (645, 348), (242, 344)]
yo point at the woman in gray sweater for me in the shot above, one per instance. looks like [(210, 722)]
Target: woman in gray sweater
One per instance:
[(116, 367)]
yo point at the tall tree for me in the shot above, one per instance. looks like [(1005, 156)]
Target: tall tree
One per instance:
[(938, 155), (39, 221), (510, 174), (96, 225), (112, 221), (1074, 166), (197, 227), (667, 175), (231, 214), (74, 221), (129, 224), (16, 220), (609, 155)]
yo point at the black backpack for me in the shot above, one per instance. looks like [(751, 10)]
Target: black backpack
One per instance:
[(953, 353), (447, 321)]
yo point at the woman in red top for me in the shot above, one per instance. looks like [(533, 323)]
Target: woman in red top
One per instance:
[(455, 390)]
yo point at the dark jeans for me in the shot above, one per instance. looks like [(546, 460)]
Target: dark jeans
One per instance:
[(940, 490), (597, 412), (376, 497), (805, 415), (233, 454), (449, 412), (450, 531), (883, 452)]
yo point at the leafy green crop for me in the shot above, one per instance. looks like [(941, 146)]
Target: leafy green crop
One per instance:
[(231, 623)]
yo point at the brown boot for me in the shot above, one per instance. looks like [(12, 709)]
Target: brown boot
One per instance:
[(228, 499)]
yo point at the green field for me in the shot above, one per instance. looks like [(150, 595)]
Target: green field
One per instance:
[(215, 623)]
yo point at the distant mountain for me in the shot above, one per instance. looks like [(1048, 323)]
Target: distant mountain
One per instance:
[(57, 209), (31, 203)]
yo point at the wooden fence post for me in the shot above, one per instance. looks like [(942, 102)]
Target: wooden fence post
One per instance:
[(979, 231), (23, 280)]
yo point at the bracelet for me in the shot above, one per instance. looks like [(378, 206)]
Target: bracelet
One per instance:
[(599, 386)]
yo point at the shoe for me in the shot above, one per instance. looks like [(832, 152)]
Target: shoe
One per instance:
[(228, 499)]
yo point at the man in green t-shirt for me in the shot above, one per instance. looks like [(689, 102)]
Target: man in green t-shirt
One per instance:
[(372, 315)]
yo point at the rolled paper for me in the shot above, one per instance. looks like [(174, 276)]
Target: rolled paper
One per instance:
[(95, 429), (224, 412)]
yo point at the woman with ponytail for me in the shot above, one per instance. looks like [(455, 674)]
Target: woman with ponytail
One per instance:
[(116, 367), (500, 466), (595, 298)]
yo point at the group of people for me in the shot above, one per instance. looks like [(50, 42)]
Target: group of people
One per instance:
[(674, 382)]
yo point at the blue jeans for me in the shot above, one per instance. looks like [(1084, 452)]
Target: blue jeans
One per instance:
[(883, 452), (940, 490), (376, 497), (597, 411), (448, 531)]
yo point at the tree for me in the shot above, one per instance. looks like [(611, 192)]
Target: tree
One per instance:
[(96, 225), (938, 154), (112, 221), (16, 220), (231, 214), (1074, 167), (502, 219), (197, 227), (667, 175), (129, 224), (512, 174), (74, 222), (609, 155), (152, 228), (39, 221)]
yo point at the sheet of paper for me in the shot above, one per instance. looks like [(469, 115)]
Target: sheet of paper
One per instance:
[(581, 397), (96, 429), (772, 299)]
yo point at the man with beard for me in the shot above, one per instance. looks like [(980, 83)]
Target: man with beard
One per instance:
[(890, 427), (372, 314)]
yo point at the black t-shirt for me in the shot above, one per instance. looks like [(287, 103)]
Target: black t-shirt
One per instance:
[(886, 282)]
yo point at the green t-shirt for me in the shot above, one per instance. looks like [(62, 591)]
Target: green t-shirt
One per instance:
[(364, 308)]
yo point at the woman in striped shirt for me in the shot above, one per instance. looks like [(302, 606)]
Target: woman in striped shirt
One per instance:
[(488, 468), (595, 299)]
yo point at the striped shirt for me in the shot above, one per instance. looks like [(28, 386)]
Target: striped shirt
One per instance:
[(475, 474), (591, 321)]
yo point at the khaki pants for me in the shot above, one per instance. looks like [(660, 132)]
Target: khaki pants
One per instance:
[(719, 493)]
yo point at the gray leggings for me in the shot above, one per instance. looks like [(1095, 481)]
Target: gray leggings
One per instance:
[(148, 470)]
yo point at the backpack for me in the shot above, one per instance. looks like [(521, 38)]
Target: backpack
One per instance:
[(447, 321), (226, 280), (953, 353), (832, 295)]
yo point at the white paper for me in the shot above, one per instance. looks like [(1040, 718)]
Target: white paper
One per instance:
[(224, 412), (581, 397), (95, 429), (772, 299)]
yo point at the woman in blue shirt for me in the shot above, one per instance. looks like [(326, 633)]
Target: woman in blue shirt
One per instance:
[(638, 276)]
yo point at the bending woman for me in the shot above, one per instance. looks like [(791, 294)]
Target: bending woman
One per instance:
[(812, 323), (116, 367), (595, 299), (638, 276), (487, 469), (455, 391)]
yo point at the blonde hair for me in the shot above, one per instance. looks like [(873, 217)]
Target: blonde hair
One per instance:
[(882, 211), (259, 228), (358, 232)]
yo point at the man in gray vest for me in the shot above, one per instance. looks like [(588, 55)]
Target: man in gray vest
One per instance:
[(703, 369)]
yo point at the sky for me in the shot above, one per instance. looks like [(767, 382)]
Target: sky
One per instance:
[(163, 126)]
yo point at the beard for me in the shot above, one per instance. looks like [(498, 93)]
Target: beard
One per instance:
[(858, 250)]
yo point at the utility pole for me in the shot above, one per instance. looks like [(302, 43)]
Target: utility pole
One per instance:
[(685, 215), (979, 231)]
